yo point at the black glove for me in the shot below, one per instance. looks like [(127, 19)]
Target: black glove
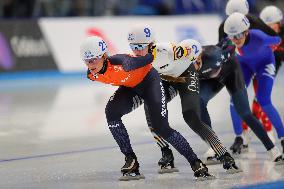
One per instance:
[(151, 48)]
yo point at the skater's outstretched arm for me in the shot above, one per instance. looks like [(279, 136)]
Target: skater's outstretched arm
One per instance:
[(129, 62)]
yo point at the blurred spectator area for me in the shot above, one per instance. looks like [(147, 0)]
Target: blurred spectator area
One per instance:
[(62, 8)]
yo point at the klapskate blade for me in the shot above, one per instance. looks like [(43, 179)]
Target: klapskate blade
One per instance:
[(212, 162), (234, 171), (279, 162), (167, 170), (236, 155), (245, 150), (211, 177), (129, 177)]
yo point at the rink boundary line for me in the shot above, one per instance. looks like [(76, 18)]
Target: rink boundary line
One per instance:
[(69, 152)]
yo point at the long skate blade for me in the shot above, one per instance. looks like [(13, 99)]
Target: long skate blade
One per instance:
[(236, 155), (212, 162), (130, 177), (210, 177), (167, 170), (234, 171), (245, 149), (281, 162)]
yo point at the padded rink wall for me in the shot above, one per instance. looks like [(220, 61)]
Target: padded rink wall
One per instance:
[(65, 35), (53, 43), (23, 47)]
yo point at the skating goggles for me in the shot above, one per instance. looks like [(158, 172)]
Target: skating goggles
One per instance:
[(93, 60), (138, 46), (238, 36)]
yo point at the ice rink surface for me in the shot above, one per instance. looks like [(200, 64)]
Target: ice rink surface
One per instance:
[(53, 134)]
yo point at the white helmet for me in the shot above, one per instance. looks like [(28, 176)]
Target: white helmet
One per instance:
[(236, 23), (141, 34), (193, 47), (240, 6), (164, 57), (93, 47), (271, 14), (167, 61)]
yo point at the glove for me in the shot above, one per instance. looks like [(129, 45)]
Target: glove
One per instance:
[(152, 47), (275, 47), (153, 50)]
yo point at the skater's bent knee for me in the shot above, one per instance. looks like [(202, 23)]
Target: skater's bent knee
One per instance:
[(164, 132), (265, 102), (112, 113), (245, 114)]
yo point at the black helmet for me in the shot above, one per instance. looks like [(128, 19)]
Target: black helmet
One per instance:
[(212, 60)]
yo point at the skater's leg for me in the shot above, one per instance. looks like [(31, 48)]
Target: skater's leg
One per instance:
[(170, 93), (208, 89), (236, 81), (155, 99), (237, 123), (240, 101), (242, 107), (191, 110), (235, 84), (210, 137), (124, 99), (167, 161), (265, 81), (190, 102), (260, 114), (254, 107)]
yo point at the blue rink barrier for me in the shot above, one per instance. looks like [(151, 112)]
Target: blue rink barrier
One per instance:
[(270, 185), (39, 74)]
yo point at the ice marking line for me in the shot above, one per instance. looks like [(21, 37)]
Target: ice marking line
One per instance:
[(69, 152), (85, 150)]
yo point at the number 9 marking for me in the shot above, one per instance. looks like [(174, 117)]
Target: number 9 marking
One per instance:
[(147, 32)]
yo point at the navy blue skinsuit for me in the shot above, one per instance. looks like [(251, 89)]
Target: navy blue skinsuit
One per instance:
[(125, 100)]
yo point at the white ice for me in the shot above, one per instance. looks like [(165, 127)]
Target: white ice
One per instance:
[(53, 134)]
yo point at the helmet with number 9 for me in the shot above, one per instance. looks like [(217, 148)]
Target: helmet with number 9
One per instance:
[(236, 23), (240, 6), (271, 15), (141, 34), (93, 47), (193, 47)]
